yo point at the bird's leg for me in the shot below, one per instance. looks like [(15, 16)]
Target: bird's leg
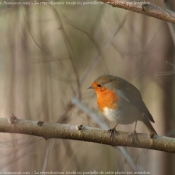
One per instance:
[(112, 131), (134, 132)]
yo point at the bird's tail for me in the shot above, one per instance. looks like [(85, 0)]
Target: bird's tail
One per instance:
[(149, 126)]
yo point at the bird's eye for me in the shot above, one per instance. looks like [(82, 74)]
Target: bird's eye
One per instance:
[(99, 85)]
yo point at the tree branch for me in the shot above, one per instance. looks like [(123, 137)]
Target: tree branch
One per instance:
[(145, 8), (84, 133)]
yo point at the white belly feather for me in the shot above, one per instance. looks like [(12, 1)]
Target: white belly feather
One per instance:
[(128, 114)]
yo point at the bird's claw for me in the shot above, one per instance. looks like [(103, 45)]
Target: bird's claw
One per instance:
[(112, 133), (151, 135), (133, 135)]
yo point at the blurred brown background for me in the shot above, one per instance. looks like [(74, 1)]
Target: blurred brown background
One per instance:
[(50, 53)]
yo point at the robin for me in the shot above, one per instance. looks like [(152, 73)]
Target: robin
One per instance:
[(121, 102)]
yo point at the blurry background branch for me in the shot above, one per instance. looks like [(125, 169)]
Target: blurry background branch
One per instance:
[(145, 8), (84, 133)]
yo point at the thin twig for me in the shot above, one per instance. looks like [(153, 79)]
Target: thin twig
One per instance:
[(99, 55), (145, 8), (48, 150), (70, 153), (69, 49), (90, 113)]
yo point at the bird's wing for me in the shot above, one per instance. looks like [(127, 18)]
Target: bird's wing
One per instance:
[(132, 95)]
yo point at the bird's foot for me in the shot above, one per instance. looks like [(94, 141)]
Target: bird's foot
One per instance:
[(152, 135), (112, 133), (133, 135)]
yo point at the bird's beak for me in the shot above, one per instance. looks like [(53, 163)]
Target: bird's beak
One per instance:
[(91, 87)]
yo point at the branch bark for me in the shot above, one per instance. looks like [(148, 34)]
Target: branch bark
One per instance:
[(145, 8), (85, 133)]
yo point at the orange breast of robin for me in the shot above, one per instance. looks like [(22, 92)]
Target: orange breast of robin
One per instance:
[(107, 98)]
